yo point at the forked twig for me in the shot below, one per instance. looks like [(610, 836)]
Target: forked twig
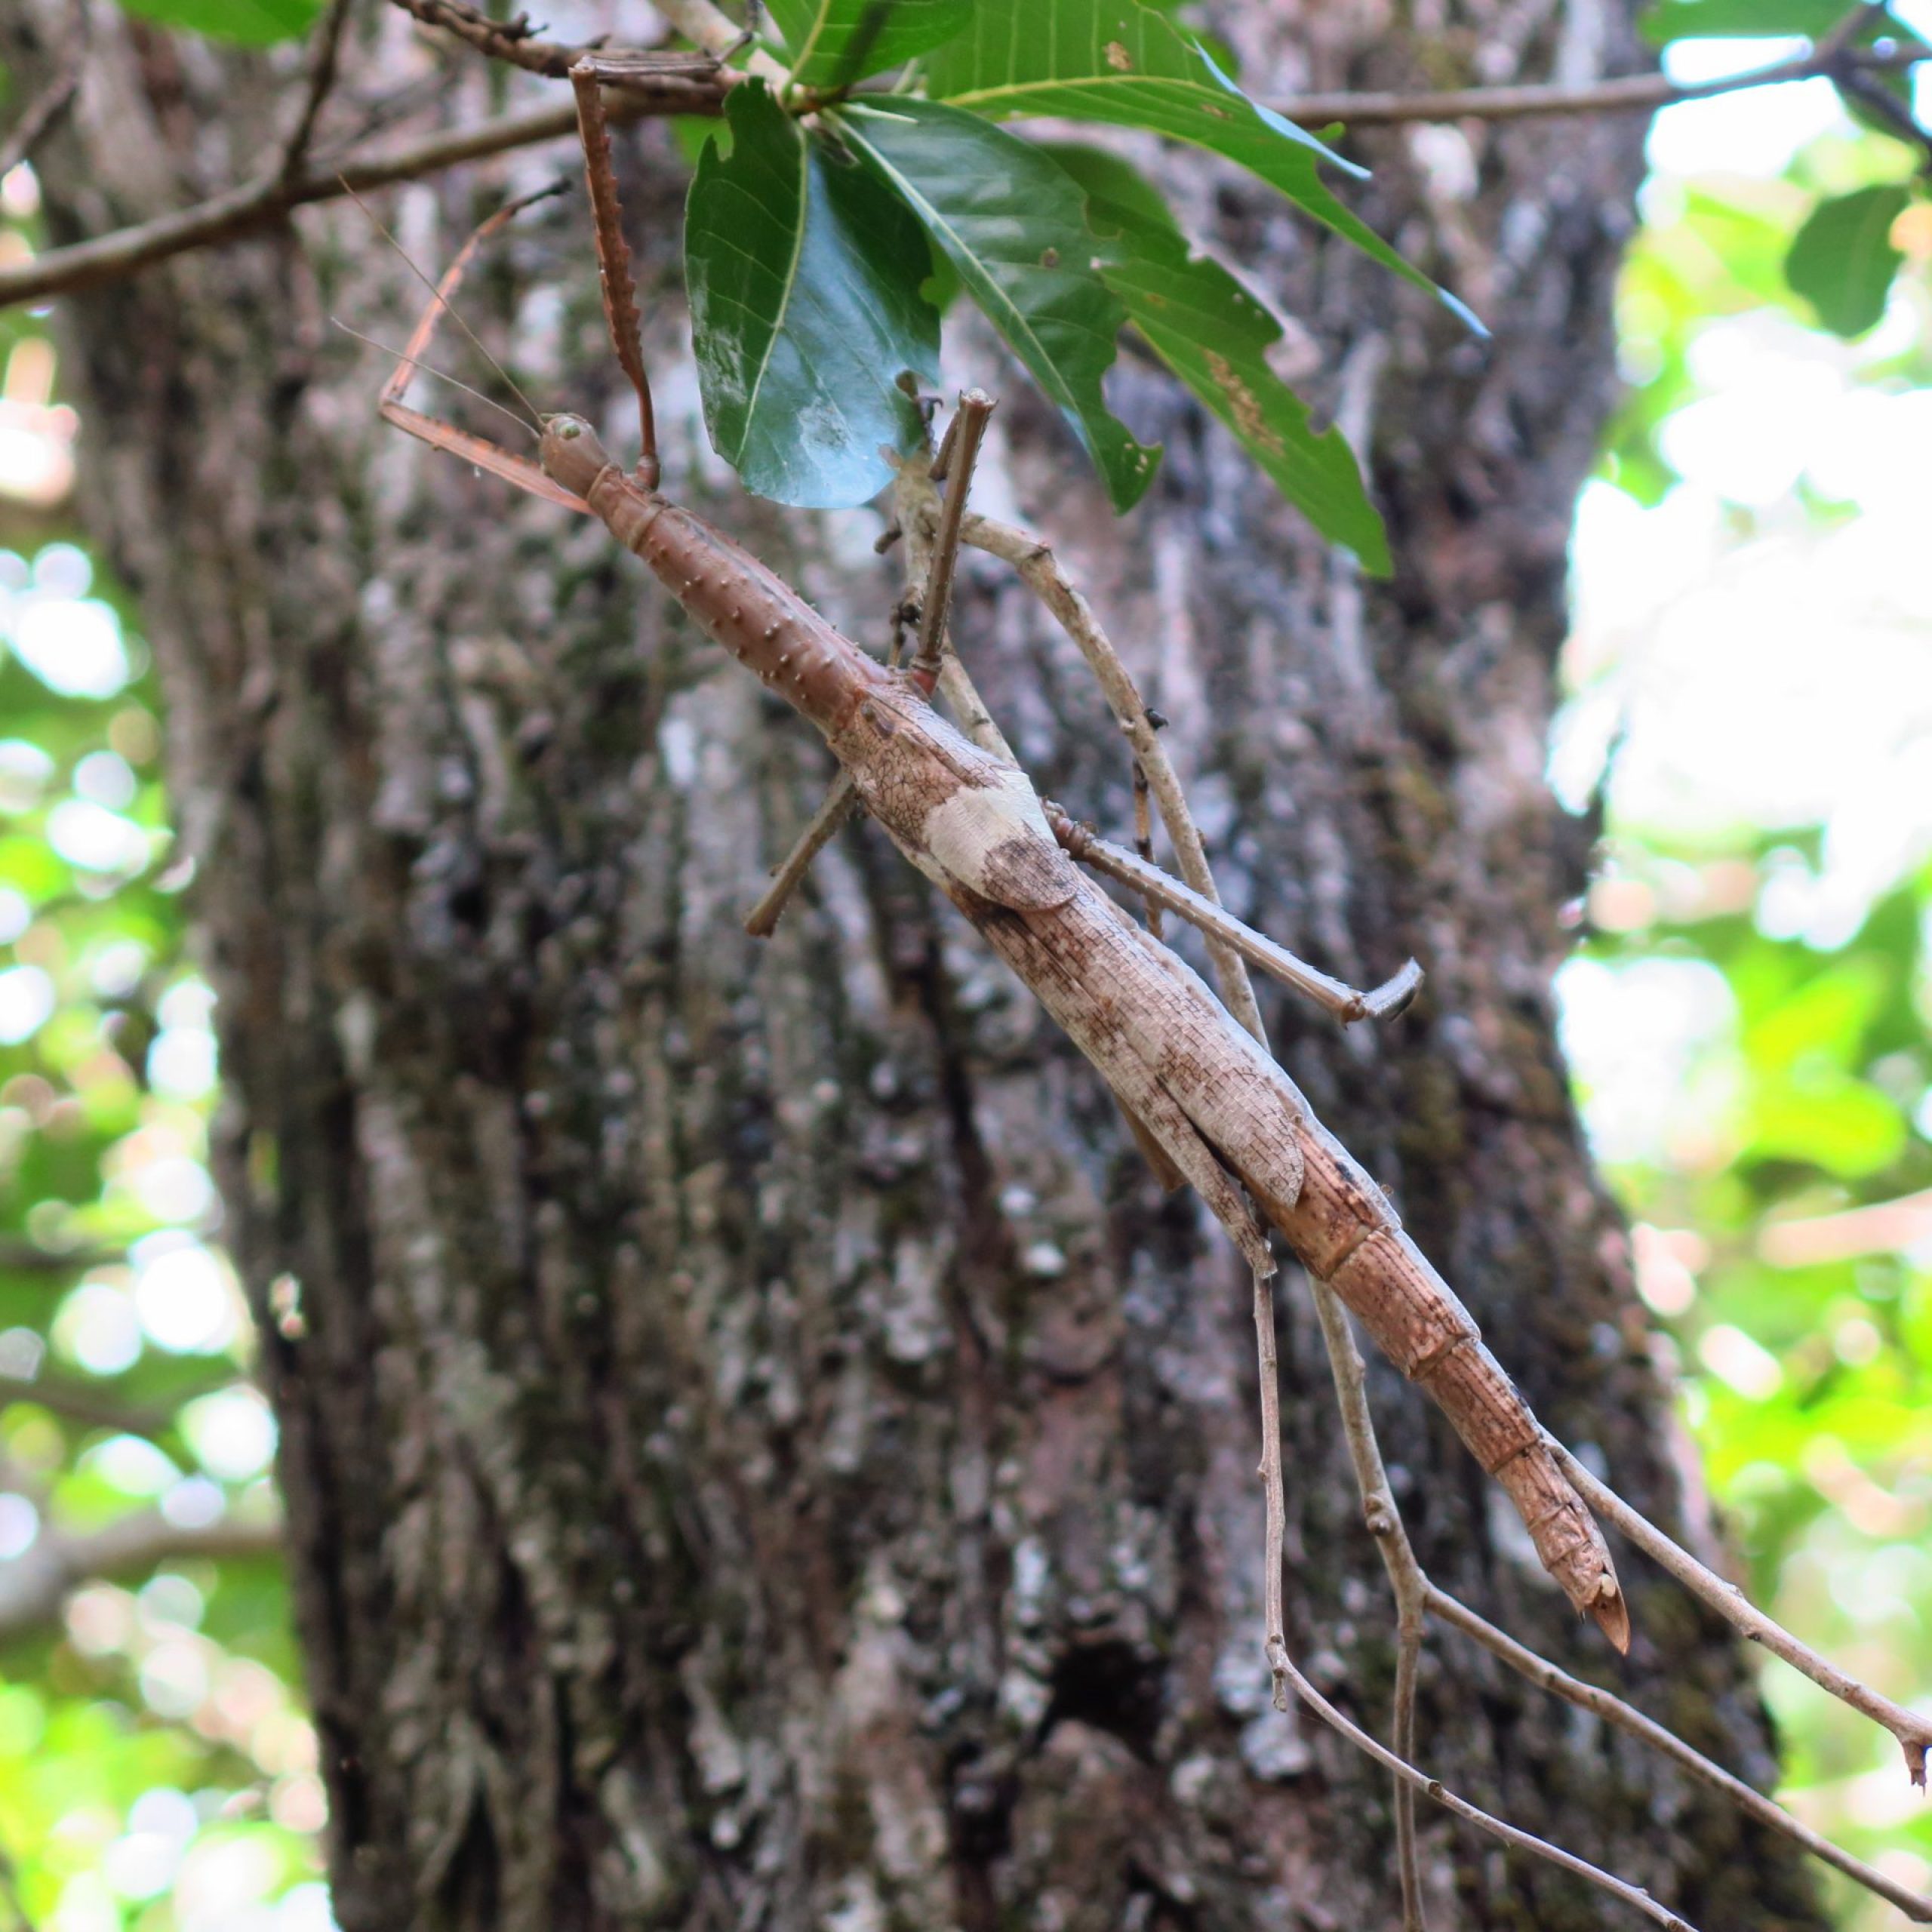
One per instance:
[(1591, 1697), (1287, 1678), (1913, 1732), (1416, 1779), (322, 69), (260, 204)]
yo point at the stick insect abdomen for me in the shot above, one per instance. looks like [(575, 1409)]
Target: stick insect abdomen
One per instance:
[(1343, 1229)]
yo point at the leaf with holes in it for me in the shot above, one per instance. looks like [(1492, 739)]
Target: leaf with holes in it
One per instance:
[(803, 274), (1215, 336), (1842, 260), (243, 23), (1118, 61), (832, 43), (1012, 224)]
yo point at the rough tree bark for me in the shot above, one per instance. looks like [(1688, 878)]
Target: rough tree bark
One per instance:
[(759, 1451)]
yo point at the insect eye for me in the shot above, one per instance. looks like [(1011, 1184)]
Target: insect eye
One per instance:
[(569, 431)]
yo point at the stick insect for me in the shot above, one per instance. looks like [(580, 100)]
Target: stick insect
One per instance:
[(1207, 1102)]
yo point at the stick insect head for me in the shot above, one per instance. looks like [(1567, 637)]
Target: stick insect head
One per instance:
[(571, 454)]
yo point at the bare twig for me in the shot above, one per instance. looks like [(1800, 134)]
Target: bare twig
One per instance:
[(1629, 93), (513, 41), (1913, 1732), (1629, 1719), (1512, 1835), (81, 1404), (1843, 31), (246, 209), (45, 110), (1158, 888), (34, 1586), (21, 1256), (322, 70), (260, 204), (961, 450)]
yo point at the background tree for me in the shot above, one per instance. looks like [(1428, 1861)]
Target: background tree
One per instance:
[(753, 1439)]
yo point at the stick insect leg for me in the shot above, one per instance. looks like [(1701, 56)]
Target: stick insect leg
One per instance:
[(958, 453), (519, 470), (1332, 996), (613, 258)]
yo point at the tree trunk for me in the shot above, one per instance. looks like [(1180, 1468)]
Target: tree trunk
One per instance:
[(759, 1449)]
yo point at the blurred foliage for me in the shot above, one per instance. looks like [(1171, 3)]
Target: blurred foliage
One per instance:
[(156, 1769), (1781, 1188)]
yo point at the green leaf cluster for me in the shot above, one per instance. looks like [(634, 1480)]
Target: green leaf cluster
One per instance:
[(1843, 258), (830, 221), (817, 255)]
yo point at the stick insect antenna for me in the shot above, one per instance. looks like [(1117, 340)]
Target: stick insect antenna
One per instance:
[(442, 291), (613, 259), (441, 375)]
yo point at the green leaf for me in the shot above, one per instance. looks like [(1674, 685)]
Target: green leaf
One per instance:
[(245, 23), (1739, 20), (1842, 260), (832, 43), (1011, 223), (803, 274), (1118, 61), (1215, 336)]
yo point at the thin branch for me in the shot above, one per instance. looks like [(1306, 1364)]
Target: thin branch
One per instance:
[(44, 111), (1629, 93), (1913, 1732), (321, 84), (1628, 1719), (21, 1256), (1512, 1835), (85, 1405), (255, 205), (262, 203), (513, 41), (703, 26), (35, 1585)]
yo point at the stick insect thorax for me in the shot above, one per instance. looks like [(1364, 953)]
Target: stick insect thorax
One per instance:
[(761, 620)]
